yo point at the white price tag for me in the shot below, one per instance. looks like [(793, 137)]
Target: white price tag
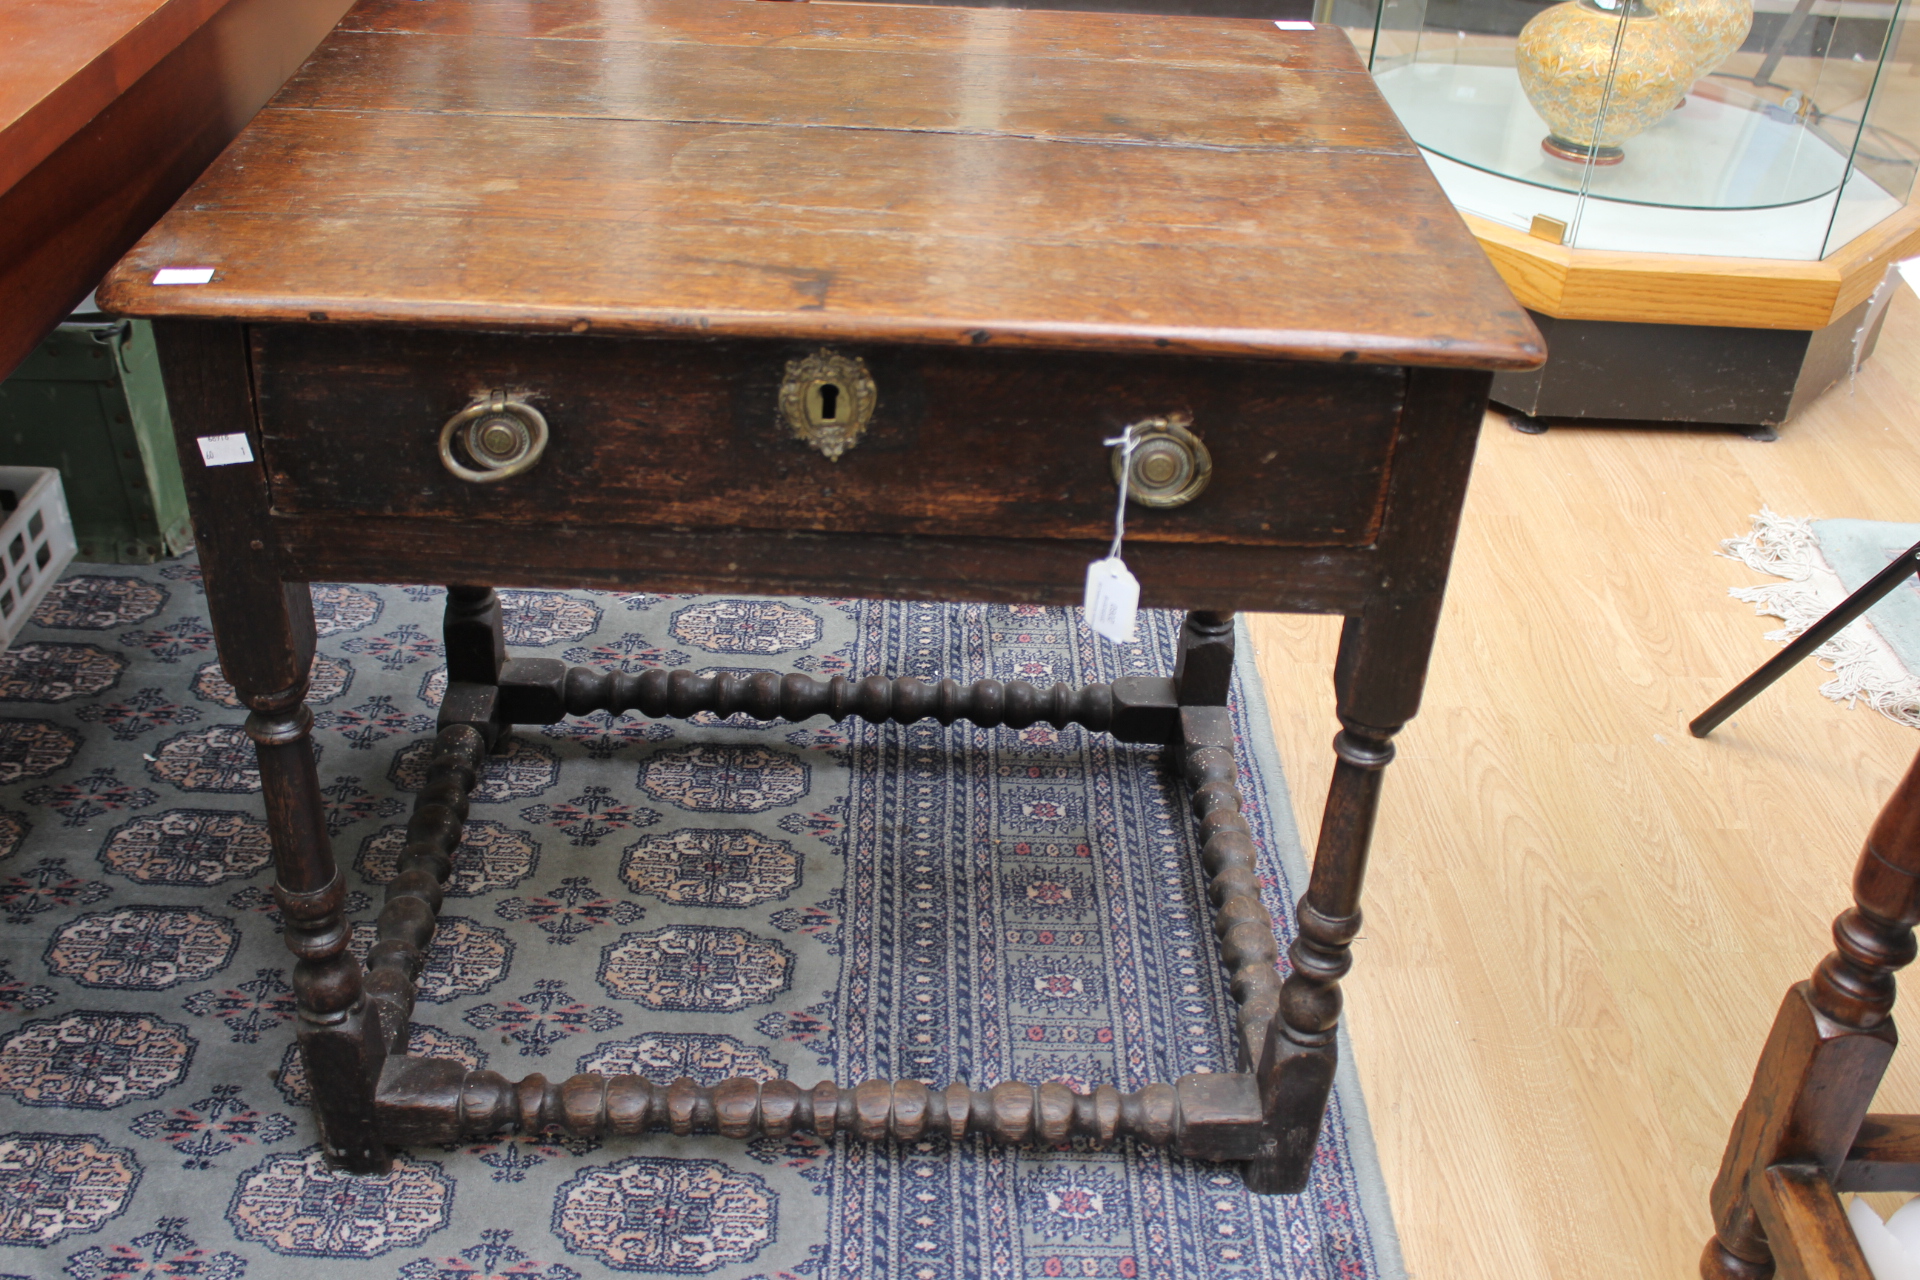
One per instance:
[(225, 451), (1113, 599), (1292, 26), (183, 275)]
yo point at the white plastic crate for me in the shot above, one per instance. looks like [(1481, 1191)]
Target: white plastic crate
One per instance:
[(36, 542)]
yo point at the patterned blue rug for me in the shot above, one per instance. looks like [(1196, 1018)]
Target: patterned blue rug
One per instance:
[(701, 899)]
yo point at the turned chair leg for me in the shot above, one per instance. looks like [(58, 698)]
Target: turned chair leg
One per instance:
[(1773, 1202), (1717, 1264)]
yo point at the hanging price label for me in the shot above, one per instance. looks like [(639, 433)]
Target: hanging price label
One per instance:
[(1113, 599), (1113, 593)]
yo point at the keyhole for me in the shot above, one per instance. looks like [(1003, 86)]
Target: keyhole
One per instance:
[(829, 402)]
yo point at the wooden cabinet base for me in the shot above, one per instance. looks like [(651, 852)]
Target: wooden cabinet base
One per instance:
[(1671, 337), (1693, 289), (1608, 370)]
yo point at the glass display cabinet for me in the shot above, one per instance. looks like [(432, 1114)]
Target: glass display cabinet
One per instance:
[(1728, 178)]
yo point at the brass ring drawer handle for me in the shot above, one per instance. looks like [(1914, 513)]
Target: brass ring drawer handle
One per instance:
[(1170, 465), (501, 437)]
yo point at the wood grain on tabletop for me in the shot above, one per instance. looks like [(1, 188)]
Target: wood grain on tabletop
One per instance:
[(840, 171), (878, 27), (1581, 920)]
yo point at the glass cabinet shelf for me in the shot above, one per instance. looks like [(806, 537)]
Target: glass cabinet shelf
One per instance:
[(1790, 145)]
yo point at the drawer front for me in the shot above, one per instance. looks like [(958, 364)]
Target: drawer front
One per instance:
[(691, 434)]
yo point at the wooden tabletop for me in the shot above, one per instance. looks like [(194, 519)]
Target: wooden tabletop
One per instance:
[(838, 172)]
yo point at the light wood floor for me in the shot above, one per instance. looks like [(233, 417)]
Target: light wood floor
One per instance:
[(1580, 919)]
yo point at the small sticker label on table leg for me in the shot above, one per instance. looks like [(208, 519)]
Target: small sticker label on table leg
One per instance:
[(225, 451)]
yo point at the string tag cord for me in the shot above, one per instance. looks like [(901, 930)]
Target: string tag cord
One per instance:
[(1113, 593), (1126, 442)]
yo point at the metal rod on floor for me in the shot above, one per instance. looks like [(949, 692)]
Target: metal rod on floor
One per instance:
[(1881, 586)]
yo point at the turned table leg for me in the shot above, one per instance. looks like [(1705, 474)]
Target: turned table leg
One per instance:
[(263, 625), (475, 637), (1297, 1065), (341, 1040), (1290, 1042), (1204, 668)]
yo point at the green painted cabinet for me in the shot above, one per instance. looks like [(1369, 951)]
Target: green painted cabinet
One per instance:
[(89, 401)]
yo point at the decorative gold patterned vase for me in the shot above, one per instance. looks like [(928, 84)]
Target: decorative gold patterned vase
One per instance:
[(1563, 58), (1713, 29)]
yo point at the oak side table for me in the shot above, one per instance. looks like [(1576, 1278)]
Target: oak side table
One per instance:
[(709, 295)]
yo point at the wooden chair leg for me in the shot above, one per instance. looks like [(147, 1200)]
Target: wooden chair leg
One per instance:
[(1823, 1060), (1806, 1227), (1717, 1264)]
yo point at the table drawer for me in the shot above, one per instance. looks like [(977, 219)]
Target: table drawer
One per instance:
[(690, 434)]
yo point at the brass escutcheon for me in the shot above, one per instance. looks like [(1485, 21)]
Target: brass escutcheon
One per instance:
[(827, 400), (1170, 465), (500, 435)]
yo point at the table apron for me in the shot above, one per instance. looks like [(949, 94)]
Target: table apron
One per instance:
[(991, 570)]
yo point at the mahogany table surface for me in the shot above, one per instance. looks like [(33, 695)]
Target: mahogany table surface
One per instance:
[(65, 61), (109, 109)]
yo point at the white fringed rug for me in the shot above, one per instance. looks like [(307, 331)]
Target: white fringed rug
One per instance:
[(1822, 562)]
